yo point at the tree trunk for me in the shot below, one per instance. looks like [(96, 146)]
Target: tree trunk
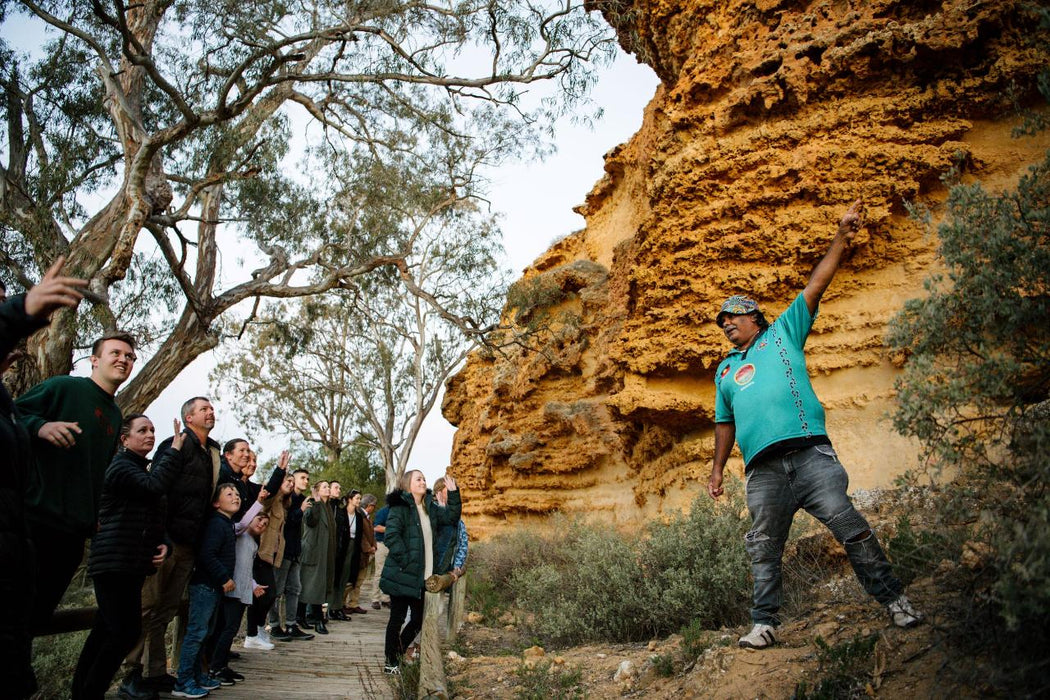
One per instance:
[(189, 339)]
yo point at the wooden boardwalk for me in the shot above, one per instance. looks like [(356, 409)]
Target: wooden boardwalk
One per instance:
[(346, 663)]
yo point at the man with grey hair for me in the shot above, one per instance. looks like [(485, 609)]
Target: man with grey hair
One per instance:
[(189, 504)]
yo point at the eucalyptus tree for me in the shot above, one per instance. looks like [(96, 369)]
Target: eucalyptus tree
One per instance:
[(149, 142), (367, 366)]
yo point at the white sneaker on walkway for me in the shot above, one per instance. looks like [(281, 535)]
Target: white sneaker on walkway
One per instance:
[(903, 614), (265, 636), (257, 643), (760, 637)]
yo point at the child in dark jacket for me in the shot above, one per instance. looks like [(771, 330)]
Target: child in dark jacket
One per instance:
[(127, 547), (212, 577)]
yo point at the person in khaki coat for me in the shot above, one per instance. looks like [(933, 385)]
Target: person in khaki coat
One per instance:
[(318, 555)]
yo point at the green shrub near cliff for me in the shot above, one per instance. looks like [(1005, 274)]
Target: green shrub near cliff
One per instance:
[(975, 392)]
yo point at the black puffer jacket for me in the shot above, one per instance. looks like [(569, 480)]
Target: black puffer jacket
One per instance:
[(131, 514), (189, 501)]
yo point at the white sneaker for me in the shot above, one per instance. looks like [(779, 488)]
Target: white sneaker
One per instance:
[(265, 636), (903, 614), (257, 643), (760, 637)]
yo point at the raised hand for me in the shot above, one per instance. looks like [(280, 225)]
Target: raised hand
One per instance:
[(176, 442), (450, 483), (284, 460), (852, 220), (54, 291)]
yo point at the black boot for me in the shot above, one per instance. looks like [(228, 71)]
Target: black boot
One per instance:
[(134, 689), (320, 627)]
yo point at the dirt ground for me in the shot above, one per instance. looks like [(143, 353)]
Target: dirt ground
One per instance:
[(903, 664)]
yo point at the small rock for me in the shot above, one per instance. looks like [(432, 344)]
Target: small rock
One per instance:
[(499, 679), (509, 628), (975, 554), (453, 656), (625, 672), (474, 618), (601, 656), (558, 661), (506, 618), (652, 645), (865, 632), (532, 655)]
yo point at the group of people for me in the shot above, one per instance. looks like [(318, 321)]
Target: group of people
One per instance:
[(196, 519), (289, 555)]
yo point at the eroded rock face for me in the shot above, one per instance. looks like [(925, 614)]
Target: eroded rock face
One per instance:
[(771, 118)]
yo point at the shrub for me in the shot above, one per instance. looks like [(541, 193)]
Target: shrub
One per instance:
[(583, 582), (843, 670), (696, 568), (595, 592), (545, 682), (975, 392)]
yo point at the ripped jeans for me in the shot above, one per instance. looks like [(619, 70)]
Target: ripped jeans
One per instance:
[(813, 479)]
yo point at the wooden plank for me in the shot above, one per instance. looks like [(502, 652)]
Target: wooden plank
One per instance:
[(346, 663)]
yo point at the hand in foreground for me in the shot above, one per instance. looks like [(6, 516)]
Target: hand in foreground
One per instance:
[(161, 555), (259, 591), (450, 483), (176, 442), (54, 291), (59, 433), (852, 220), (228, 586), (714, 485)]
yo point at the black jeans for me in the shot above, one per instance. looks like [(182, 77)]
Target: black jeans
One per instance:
[(231, 610), (263, 573), (118, 624), (397, 639), (58, 554)]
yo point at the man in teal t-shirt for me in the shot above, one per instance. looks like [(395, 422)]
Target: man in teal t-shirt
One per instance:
[(75, 424), (765, 402)]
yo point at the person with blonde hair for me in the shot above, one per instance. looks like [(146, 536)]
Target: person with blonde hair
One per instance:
[(411, 531)]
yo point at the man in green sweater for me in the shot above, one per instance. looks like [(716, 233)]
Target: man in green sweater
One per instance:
[(75, 424)]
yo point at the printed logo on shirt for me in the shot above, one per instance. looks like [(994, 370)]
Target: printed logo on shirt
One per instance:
[(745, 374), (725, 371)]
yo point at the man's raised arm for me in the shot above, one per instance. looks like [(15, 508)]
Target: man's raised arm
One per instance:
[(850, 223)]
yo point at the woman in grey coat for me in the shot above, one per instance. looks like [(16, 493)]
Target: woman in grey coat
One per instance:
[(318, 556)]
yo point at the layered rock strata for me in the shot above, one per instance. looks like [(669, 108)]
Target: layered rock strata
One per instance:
[(771, 117)]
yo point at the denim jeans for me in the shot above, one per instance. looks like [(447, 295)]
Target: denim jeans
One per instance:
[(203, 599), (288, 584), (812, 479)]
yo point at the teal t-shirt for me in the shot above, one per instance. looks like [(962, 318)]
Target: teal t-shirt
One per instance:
[(765, 390)]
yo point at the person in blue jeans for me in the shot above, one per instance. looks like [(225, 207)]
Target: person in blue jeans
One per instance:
[(764, 402), (212, 577)]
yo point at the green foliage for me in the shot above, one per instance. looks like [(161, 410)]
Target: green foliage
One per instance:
[(664, 665), (974, 392), (696, 568), (844, 670), (694, 639), (54, 661), (406, 684), (580, 582), (589, 588), (543, 681), (917, 552)]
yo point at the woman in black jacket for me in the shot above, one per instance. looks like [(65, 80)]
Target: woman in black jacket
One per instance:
[(127, 547)]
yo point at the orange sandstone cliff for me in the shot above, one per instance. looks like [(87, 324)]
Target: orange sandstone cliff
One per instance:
[(770, 119)]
